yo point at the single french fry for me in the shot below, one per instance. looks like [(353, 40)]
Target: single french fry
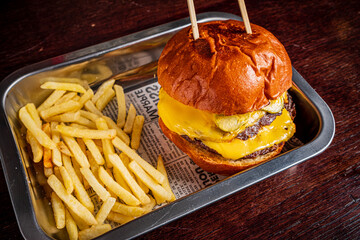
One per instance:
[(74, 87), (86, 133), (128, 210), (129, 123), (104, 210), (71, 226), (30, 107), (136, 132), (166, 184), (35, 130), (124, 195), (47, 157), (66, 97), (82, 145), (77, 167), (135, 188), (64, 149), (94, 231), (120, 180), (119, 218), (120, 97), (48, 171), (65, 117), (86, 97), (79, 189), (79, 222), (55, 153), (89, 115), (59, 211), (76, 99), (59, 109), (105, 99), (94, 150), (54, 96), (89, 105), (36, 148), (109, 171), (134, 156), (108, 147), (70, 201), (150, 206), (97, 187), (85, 122), (119, 132), (66, 179), (149, 182), (102, 89), (74, 147), (57, 173), (141, 184), (94, 167)]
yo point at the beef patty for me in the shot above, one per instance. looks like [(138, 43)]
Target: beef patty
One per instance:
[(251, 131)]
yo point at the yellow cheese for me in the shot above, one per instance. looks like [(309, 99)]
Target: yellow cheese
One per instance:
[(186, 120), (280, 130)]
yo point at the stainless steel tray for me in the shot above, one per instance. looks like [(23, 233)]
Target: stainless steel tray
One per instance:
[(133, 60)]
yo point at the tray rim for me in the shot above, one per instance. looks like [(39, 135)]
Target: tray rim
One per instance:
[(23, 206)]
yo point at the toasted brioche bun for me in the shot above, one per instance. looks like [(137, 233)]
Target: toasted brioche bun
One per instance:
[(213, 162), (225, 71)]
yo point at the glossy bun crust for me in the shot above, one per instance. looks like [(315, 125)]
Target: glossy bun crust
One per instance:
[(212, 162), (225, 71)]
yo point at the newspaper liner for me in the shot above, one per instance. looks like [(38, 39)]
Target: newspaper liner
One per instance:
[(185, 177)]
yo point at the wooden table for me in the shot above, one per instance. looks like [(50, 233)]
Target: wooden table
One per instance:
[(319, 198)]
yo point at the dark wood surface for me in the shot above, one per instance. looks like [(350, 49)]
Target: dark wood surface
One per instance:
[(318, 199)]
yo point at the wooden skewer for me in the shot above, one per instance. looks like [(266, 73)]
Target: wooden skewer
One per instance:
[(245, 17), (192, 14)]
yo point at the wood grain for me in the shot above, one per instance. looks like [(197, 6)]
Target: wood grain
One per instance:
[(318, 199)]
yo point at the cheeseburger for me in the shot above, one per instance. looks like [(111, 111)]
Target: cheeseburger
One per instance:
[(223, 97)]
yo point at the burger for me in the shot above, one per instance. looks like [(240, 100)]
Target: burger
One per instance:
[(224, 97)]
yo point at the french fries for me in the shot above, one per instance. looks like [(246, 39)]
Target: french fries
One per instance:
[(129, 123), (73, 148), (86, 133), (156, 188), (36, 148), (94, 231), (71, 227), (120, 97), (105, 210), (136, 132), (59, 211), (105, 99), (68, 183), (63, 86), (58, 109), (35, 130), (134, 156), (124, 195), (98, 188), (135, 188), (71, 201), (51, 100), (166, 184)]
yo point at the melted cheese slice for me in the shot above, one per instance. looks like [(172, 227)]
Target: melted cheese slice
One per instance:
[(280, 130), (186, 120)]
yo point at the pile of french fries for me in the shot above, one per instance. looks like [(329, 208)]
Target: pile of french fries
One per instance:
[(80, 148)]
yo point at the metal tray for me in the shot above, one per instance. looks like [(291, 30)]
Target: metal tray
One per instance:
[(132, 60)]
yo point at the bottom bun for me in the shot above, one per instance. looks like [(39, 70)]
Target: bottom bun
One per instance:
[(213, 162)]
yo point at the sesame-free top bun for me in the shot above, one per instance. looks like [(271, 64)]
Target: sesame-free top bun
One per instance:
[(225, 71)]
